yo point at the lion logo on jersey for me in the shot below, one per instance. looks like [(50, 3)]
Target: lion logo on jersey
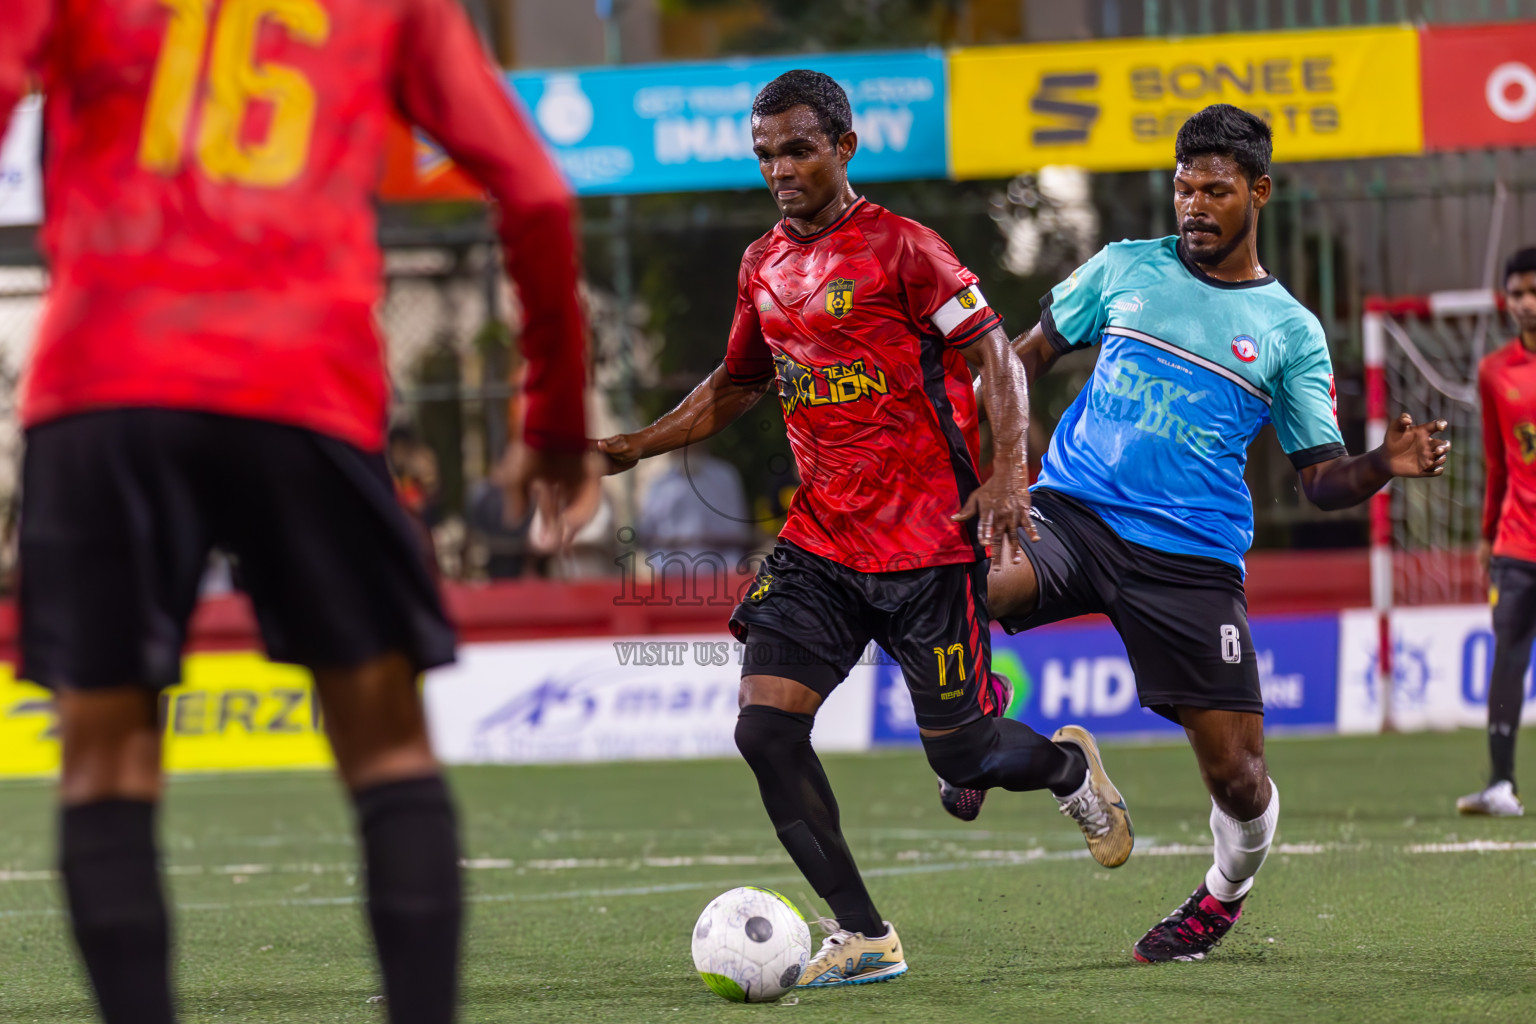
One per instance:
[(801, 386), (1525, 436), (840, 297)]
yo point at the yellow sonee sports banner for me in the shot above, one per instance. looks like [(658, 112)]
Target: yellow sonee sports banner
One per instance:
[(1116, 106), (232, 712)]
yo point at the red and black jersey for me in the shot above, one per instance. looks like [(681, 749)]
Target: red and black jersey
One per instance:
[(1506, 383), (863, 322), (210, 223)]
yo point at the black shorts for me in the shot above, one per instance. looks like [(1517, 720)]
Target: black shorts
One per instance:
[(121, 508), (810, 619), (1512, 593), (1184, 619)]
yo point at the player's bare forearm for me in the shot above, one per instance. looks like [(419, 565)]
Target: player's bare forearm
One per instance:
[(1037, 354), (1003, 501), (709, 408), (1409, 450)]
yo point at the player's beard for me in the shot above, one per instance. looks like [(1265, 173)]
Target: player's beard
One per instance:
[(1215, 257)]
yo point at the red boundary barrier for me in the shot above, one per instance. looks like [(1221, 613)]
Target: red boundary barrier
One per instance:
[(1278, 582)]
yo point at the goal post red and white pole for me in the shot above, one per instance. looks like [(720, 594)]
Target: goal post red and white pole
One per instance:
[(1374, 343), (1421, 354)]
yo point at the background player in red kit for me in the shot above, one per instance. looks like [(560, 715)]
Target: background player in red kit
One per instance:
[(208, 372), (871, 326), (1506, 386)]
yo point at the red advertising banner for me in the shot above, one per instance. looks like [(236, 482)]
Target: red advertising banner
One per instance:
[(416, 170), (1479, 86)]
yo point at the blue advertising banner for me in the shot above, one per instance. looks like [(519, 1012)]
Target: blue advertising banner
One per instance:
[(1079, 673), (684, 127)]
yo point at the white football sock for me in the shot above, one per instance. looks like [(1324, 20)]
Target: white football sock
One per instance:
[(1241, 847)]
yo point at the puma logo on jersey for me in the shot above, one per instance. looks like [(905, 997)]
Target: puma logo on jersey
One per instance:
[(826, 385)]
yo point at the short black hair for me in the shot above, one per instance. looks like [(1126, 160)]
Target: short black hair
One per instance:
[(1224, 130), (1522, 262), (802, 88)]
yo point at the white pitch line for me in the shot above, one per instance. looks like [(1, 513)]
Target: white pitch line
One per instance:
[(947, 861), (544, 897), (1473, 846)]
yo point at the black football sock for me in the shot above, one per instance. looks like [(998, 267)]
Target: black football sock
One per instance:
[(1514, 631), (1506, 699), (112, 885), (415, 903), (1005, 754), (799, 801)]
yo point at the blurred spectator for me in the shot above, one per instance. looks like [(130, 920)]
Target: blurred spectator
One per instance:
[(696, 505), (414, 468), (501, 533), (517, 542)]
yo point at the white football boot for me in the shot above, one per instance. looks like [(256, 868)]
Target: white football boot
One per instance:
[(1497, 801)]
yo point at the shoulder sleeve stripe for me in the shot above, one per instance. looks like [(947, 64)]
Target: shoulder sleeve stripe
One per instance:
[(976, 332), (1048, 326), (1316, 454), (960, 308), (748, 379)]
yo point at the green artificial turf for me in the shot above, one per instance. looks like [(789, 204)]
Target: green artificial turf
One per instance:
[(586, 881)]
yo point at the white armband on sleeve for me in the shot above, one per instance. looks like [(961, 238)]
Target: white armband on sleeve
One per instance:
[(958, 310)]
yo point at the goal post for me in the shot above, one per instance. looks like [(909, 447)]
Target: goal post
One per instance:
[(1421, 357)]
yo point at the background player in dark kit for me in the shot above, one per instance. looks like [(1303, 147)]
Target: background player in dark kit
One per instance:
[(208, 371), (1143, 512), (1506, 387), (872, 327)]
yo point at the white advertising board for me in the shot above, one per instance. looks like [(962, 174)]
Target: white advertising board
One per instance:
[(21, 173), (1441, 660), (611, 699)]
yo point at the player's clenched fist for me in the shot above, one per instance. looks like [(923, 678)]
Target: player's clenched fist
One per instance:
[(621, 451)]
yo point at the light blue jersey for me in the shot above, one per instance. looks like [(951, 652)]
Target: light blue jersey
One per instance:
[(1190, 370)]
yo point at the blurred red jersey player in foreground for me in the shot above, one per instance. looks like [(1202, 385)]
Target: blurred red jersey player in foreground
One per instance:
[(208, 372)]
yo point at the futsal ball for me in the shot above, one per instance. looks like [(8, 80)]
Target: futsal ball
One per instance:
[(751, 945)]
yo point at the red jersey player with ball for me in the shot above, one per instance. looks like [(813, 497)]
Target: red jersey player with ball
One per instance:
[(1506, 386), (872, 328)]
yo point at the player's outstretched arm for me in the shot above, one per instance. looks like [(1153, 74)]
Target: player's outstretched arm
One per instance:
[(709, 408), (1003, 501), (444, 82), (1409, 450), (21, 42), (1036, 352)]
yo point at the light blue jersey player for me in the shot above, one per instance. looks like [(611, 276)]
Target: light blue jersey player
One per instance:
[(1190, 368), (1141, 508)]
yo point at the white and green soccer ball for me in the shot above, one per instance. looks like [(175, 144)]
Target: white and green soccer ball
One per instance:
[(751, 945)]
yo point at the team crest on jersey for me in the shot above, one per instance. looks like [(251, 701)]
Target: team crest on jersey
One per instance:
[(840, 297), (837, 384), (1245, 348), (1525, 435)]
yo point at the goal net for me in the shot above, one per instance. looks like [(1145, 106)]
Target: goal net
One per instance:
[(1421, 357)]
